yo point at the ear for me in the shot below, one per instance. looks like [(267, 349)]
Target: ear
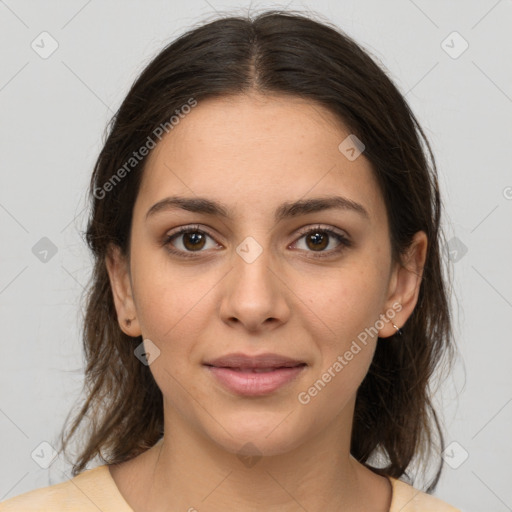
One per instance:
[(118, 269), (404, 284)]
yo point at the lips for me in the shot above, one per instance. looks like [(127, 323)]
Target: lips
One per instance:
[(254, 375), (262, 362)]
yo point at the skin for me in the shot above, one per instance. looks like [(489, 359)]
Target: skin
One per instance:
[(254, 153)]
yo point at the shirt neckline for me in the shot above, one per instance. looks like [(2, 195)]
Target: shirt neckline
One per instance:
[(116, 495), (120, 498)]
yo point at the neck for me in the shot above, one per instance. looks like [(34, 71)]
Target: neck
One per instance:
[(193, 473)]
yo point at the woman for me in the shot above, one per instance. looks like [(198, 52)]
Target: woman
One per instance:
[(268, 302)]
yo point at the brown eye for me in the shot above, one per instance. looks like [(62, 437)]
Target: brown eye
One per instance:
[(189, 240), (193, 240), (317, 240)]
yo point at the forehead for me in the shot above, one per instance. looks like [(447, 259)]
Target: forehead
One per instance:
[(258, 150)]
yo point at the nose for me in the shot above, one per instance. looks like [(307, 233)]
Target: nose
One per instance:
[(255, 296)]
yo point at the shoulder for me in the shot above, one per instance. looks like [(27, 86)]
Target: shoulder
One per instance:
[(92, 490), (408, 499)]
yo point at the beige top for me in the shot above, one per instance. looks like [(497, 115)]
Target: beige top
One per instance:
[(95, 489)]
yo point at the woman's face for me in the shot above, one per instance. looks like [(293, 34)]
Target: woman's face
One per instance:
[(266, 278)]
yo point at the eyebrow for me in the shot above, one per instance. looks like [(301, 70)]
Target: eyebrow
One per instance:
[(284, 211)]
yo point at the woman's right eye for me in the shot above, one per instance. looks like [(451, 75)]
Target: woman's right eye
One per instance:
[(188, 240)]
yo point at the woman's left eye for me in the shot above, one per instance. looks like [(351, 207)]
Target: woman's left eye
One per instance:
[(319, 238), (193, 240)]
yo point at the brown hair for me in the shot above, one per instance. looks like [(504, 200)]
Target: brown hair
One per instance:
[(274, 53)]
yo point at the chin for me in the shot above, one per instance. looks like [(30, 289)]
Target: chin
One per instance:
[(256, 436)]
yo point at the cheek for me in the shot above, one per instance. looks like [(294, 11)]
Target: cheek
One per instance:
[(337, 382), (170, 300), (345, 300), (171, 315), (346, 350)]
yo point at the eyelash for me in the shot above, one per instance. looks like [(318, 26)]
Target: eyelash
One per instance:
[(343, 240)]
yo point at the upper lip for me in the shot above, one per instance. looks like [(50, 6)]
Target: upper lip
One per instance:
[(239, 360)]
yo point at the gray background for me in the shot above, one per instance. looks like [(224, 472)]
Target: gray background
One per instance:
[(53, 114)]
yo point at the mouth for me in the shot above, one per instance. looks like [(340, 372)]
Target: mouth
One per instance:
[(254, 375), (247, 362), (257, 370)]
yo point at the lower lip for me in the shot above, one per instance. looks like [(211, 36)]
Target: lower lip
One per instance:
[(255, 384)]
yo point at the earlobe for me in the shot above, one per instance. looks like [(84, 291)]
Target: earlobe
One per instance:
[(405, 285), (120, 283)]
